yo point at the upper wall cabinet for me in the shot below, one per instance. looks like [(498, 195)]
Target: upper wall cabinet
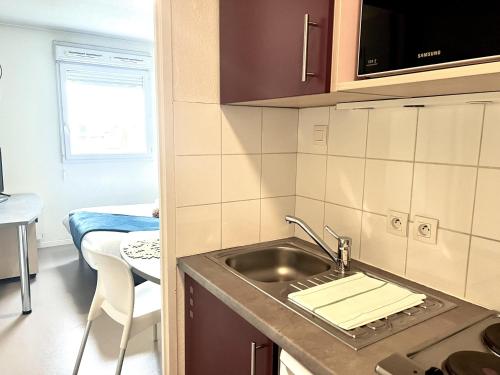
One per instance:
[(274, 48), (267, 45)]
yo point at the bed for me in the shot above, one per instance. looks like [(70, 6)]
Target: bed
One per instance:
[(107, 242)]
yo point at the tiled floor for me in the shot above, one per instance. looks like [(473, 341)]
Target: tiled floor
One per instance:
[(47, 341)]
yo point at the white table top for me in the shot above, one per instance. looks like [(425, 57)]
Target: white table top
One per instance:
[(20, 209), (149, 269)]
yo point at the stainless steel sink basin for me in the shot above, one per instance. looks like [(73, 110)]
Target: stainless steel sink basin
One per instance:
[(277, 264), (281, 267)]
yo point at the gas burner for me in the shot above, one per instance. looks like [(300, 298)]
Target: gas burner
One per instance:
[(470, 362), (491, 338)]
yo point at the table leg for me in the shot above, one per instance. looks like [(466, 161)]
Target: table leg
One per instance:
[(24, 268)]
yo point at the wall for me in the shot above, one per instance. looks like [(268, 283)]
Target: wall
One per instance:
[(30, 142), (234, 181), (441, 161), (235, 167)]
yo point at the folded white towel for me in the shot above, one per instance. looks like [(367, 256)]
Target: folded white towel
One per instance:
[(356, 300)]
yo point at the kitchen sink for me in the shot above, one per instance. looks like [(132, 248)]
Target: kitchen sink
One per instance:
[(277, 264), (281, 267)]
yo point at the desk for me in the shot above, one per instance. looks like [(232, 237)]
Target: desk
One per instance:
[(148, 269), (22, 210)]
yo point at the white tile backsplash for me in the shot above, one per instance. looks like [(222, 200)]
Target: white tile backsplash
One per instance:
[(418, 160), (450, 134), (483, 277), (278, 175), (198, 180), (263, 163), (198, 229), (391, 133), (273, 212), (347, 135), (312, 212), (380, 248), (387, 186), (279, 130), (240, 177), (487, 210), (311, 175), (490, 150), (445, 193), (441, 266), (344, 182), (240, 223), (241, 130)]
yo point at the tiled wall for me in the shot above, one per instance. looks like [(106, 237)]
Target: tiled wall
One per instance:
[(235, 175), (441, 162)]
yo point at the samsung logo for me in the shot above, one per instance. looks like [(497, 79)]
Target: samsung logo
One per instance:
[(428, 54)]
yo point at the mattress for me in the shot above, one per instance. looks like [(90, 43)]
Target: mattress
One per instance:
[(108, 242)]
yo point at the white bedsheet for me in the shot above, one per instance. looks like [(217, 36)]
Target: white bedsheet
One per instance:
[(108, 242)]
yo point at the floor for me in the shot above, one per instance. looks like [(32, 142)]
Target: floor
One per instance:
[(47, 340)]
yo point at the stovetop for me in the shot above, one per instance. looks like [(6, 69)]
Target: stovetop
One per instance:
[(434, 353)]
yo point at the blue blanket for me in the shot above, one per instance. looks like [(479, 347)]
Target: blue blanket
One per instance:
[(81, 223)]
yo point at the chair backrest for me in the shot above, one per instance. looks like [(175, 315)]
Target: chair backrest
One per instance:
[(115, 286)]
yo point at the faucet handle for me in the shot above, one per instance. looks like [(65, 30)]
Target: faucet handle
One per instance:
[(344, 248)]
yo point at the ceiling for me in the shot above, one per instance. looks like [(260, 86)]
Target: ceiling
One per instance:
[(120, 18)]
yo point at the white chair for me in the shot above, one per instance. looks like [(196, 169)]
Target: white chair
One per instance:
[(135, 308)]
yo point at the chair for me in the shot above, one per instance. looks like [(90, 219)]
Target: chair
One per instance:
[(134, 308)]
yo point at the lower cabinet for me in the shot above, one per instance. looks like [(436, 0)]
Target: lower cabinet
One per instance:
[(219, 341)]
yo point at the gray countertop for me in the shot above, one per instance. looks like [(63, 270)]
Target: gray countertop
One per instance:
[(317, 350)]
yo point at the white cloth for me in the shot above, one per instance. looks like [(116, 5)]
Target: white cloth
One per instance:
[(356, 300), (290, 366), (108, 242)]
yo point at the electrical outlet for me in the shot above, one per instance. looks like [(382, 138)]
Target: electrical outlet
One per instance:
[(397, 223), (425, 229), (320, 134)]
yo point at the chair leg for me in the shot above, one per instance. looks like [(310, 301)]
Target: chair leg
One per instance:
[(82, 347), (121, 357), (155, 332)]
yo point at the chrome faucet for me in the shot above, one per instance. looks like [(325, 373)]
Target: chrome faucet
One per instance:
[(342, 258)]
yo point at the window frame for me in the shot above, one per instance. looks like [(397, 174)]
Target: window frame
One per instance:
[(63, 67)]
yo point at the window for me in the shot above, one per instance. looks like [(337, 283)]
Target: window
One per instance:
[(105, 106)]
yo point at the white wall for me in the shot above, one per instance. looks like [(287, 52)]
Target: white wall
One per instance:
[(30, 142)]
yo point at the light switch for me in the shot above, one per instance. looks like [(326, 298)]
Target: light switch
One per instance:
[(320, 133)]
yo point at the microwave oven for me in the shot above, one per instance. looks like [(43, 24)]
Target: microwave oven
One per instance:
[(402, 36)]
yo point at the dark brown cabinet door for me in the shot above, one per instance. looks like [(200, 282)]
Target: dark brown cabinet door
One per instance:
[(219, 341), (262, 44)]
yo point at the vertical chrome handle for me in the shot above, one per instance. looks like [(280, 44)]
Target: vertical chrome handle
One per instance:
[(253, 356), (305, 47)]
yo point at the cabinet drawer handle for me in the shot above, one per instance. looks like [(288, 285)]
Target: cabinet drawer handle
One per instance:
[(305, 47), (253, 356)]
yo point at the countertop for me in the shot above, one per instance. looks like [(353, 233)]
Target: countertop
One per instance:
[(317, 350)]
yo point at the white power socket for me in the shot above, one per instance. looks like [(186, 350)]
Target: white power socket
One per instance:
[(425, 229), (397, 223)]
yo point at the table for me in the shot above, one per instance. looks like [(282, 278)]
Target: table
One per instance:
[(22, 210), (148, 269)]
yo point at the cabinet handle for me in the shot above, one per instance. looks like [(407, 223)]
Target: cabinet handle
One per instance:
[(253, 356), (305, 47)]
